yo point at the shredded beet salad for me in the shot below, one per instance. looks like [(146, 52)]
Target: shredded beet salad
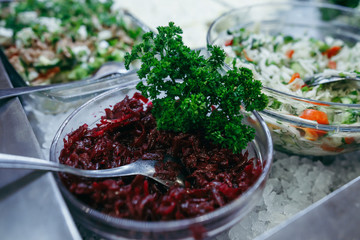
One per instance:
[(215, 176)]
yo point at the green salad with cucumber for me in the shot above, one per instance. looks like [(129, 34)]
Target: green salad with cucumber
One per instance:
[(283, 63), (64, 40)]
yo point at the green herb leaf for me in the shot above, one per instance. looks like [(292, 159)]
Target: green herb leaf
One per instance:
[(191, 93)]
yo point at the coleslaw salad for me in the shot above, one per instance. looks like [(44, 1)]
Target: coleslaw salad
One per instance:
[(282, 63)]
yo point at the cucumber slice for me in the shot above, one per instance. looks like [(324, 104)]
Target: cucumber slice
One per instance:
[(346, 100), (296, 67)]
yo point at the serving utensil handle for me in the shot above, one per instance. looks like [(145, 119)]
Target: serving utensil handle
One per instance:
[(22, 162)]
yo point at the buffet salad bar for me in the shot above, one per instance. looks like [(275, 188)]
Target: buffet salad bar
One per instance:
[(259, 146)]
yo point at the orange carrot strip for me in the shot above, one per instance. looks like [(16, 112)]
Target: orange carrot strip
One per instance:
[(289, 53), (332, 51), (229, 42), (329, 148), (293, 77), (246, 56), (332, 64), (311, 133)]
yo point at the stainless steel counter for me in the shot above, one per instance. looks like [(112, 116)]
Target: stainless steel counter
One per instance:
[(31, 206)]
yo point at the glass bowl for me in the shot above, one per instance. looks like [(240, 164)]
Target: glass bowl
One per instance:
[(47, 46), (290, 132), (105, 56), (207, 225)]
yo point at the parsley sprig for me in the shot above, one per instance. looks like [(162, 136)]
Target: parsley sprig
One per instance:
[(191, 93)]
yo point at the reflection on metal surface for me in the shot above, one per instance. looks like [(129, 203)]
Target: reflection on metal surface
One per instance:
[(30, 204)]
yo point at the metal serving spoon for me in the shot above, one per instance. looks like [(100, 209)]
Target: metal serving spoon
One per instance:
[(104, 71), (321, 78), (140, 167)]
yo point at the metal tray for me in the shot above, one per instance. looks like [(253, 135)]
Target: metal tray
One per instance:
[(31, 205)]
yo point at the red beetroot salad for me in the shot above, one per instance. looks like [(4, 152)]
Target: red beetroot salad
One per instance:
[(128, 132)]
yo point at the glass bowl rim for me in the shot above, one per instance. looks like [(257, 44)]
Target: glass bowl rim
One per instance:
[(312, 124), (159, 226), (337, 128)]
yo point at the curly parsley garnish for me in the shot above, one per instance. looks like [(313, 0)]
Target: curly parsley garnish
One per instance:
[(191, 93)]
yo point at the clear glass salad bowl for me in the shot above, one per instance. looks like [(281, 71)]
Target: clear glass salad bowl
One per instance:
[(292, 131), (70, 92), (205, 226)]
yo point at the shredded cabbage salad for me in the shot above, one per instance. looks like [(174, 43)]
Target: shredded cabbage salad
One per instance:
[(283, 63), (63, 40)]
